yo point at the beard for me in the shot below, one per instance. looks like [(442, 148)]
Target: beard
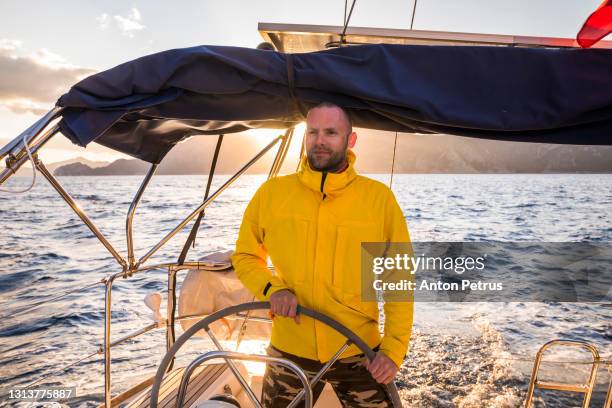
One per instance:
[(330, 162)]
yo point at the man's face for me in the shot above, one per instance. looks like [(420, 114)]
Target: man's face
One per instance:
[(327, 139)]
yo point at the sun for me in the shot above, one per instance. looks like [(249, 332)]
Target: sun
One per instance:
[(261, 138)]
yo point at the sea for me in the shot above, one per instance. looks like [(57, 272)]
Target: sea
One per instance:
[(461, 354)]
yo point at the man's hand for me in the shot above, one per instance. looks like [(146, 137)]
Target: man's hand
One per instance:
[(284, 303), (382, 368)]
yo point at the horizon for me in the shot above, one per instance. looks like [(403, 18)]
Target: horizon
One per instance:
[(39, 65), (415, 154)]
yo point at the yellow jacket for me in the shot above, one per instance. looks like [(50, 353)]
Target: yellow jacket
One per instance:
[(312, 228)]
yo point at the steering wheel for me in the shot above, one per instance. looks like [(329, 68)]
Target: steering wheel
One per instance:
[(204, 324)]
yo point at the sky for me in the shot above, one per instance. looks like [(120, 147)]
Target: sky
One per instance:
[(47, 46)]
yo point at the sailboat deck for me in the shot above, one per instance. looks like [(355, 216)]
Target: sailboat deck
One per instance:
[(202, 378)]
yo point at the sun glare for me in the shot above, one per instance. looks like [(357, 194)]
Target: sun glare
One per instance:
[(261, 138)]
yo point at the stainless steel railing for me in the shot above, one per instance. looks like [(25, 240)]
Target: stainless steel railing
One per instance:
[(584, 388)]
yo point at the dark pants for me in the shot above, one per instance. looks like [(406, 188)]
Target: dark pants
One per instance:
[(351, 381)]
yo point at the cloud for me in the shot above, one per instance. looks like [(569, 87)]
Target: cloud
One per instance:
[(17, 105), (9, 45), (102, 21), (32, 83), (126, 24), (135, 14)]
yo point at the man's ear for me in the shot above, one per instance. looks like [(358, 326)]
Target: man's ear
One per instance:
[(352, 139)]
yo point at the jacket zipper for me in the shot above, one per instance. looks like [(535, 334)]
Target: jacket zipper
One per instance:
[(322, 183), (323, 176)]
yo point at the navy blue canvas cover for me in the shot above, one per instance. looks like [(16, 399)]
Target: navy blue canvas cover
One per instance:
[(144, 107)]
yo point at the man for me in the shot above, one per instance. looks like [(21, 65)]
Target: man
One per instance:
[(311, 225)]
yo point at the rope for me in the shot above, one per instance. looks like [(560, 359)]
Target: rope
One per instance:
[(53, 299), (52, 373), (291, 88), (413, 13), (191, 239), (393, 161), (194, 230), (100, 350), (27, 149), (346, 22)]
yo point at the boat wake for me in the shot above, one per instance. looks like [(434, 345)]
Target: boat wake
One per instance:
[(444, 371)]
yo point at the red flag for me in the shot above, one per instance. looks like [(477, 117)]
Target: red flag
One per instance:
[(597, 26)]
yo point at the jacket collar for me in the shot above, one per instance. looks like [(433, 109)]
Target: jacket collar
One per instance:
[(330, 184)]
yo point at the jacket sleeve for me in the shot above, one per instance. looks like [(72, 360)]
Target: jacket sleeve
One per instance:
[(398, 314), (250, 256)]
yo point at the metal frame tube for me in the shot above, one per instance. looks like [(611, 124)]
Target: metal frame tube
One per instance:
[(238, 316), (274, 169), (107, 336), (586, 390), (30, 133), (186, 265), (297, 167), (608, 403), (285, 151), (172, 271), (107, 318), (229, 356), (130, 215), (206, 203), (277, 156), (77, 209), (205, 323), (320, 374), (14, 163), (281, 153), (232, 366), (106, 348), (170, 310), (107, 340), (134, 268)]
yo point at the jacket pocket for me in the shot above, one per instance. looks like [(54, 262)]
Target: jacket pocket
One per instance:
[(356, 303), (286, 241), (347, 273)]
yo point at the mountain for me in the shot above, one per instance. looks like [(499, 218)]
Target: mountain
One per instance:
[(413, 154), (119, 167), (27, 171)]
